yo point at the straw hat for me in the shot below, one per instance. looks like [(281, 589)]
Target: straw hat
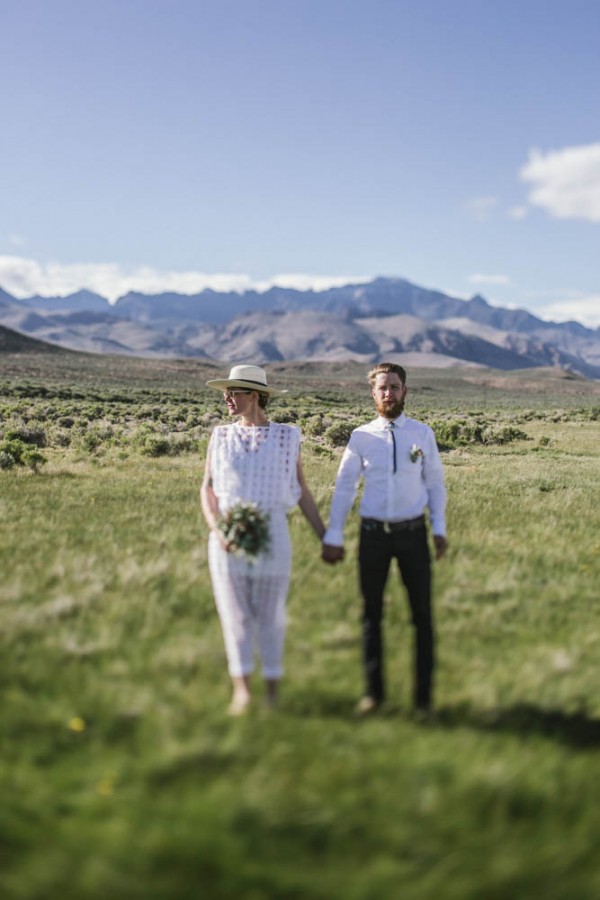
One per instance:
[(250, 378)]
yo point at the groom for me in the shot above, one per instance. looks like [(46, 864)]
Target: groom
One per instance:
[(399, 461)]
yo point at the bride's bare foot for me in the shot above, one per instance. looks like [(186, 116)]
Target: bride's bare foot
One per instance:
[(241, 695), (239, 705)]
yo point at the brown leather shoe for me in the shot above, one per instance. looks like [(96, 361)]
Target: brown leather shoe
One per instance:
[(366, 706)]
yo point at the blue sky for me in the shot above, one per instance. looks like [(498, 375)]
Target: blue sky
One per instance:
[(173, 144)]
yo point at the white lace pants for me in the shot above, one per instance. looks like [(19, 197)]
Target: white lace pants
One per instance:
[(252, 610)]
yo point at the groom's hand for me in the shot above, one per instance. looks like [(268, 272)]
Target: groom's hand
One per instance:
[(441, 545), (331, 554)]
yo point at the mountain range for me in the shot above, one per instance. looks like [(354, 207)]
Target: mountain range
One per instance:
[(385, 318)]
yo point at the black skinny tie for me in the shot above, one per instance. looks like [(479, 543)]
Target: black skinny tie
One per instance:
[(390, 426)]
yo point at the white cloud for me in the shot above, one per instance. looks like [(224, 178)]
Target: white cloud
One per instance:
[(23, 277), (565, 183), (300, 282), (585, 310), (482, 207), (518, 212), (497, 280)]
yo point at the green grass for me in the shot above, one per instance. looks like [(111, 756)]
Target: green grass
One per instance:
[(120, 773)]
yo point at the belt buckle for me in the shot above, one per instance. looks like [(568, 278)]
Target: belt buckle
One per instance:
[(386, 528)]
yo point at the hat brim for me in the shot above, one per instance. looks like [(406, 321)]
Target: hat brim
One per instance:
[(225, 384)]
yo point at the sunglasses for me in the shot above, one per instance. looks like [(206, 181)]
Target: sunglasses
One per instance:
[(228, 395)]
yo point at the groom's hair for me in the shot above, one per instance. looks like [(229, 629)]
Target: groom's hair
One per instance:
[(383, 369)]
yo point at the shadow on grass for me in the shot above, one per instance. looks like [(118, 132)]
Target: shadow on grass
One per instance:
[(308, 706), (576, 730), (337, 706), (572, 729)]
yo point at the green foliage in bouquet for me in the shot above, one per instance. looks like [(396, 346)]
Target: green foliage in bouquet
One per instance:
[(246, 527)]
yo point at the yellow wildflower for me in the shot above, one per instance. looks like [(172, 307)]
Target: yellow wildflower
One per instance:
[(105, 787), (77, 724)]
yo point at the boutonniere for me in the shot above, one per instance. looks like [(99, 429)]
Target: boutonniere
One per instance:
[(415, 453)]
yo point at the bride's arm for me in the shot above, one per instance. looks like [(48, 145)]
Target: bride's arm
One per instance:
[(307, 504)]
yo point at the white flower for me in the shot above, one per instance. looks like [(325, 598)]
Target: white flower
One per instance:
[(415, 453)]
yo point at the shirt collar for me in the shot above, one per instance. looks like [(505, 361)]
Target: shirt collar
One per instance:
[(383, 422)]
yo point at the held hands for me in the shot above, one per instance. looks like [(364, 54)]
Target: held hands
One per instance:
[(331, 554), (440, 544)]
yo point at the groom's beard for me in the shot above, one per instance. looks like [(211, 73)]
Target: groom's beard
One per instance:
[(389, 410)]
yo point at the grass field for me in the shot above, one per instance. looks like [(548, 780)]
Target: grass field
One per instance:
[(121, 774)]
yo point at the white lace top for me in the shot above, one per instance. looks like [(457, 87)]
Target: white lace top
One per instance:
[(256, 464)]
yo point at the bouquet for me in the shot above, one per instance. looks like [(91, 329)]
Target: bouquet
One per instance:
[(246, 529)]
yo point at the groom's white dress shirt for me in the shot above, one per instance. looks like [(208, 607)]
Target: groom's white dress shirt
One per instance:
[(389, 496)]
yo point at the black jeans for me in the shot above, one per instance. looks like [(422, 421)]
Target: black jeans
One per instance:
[(377, 548)]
